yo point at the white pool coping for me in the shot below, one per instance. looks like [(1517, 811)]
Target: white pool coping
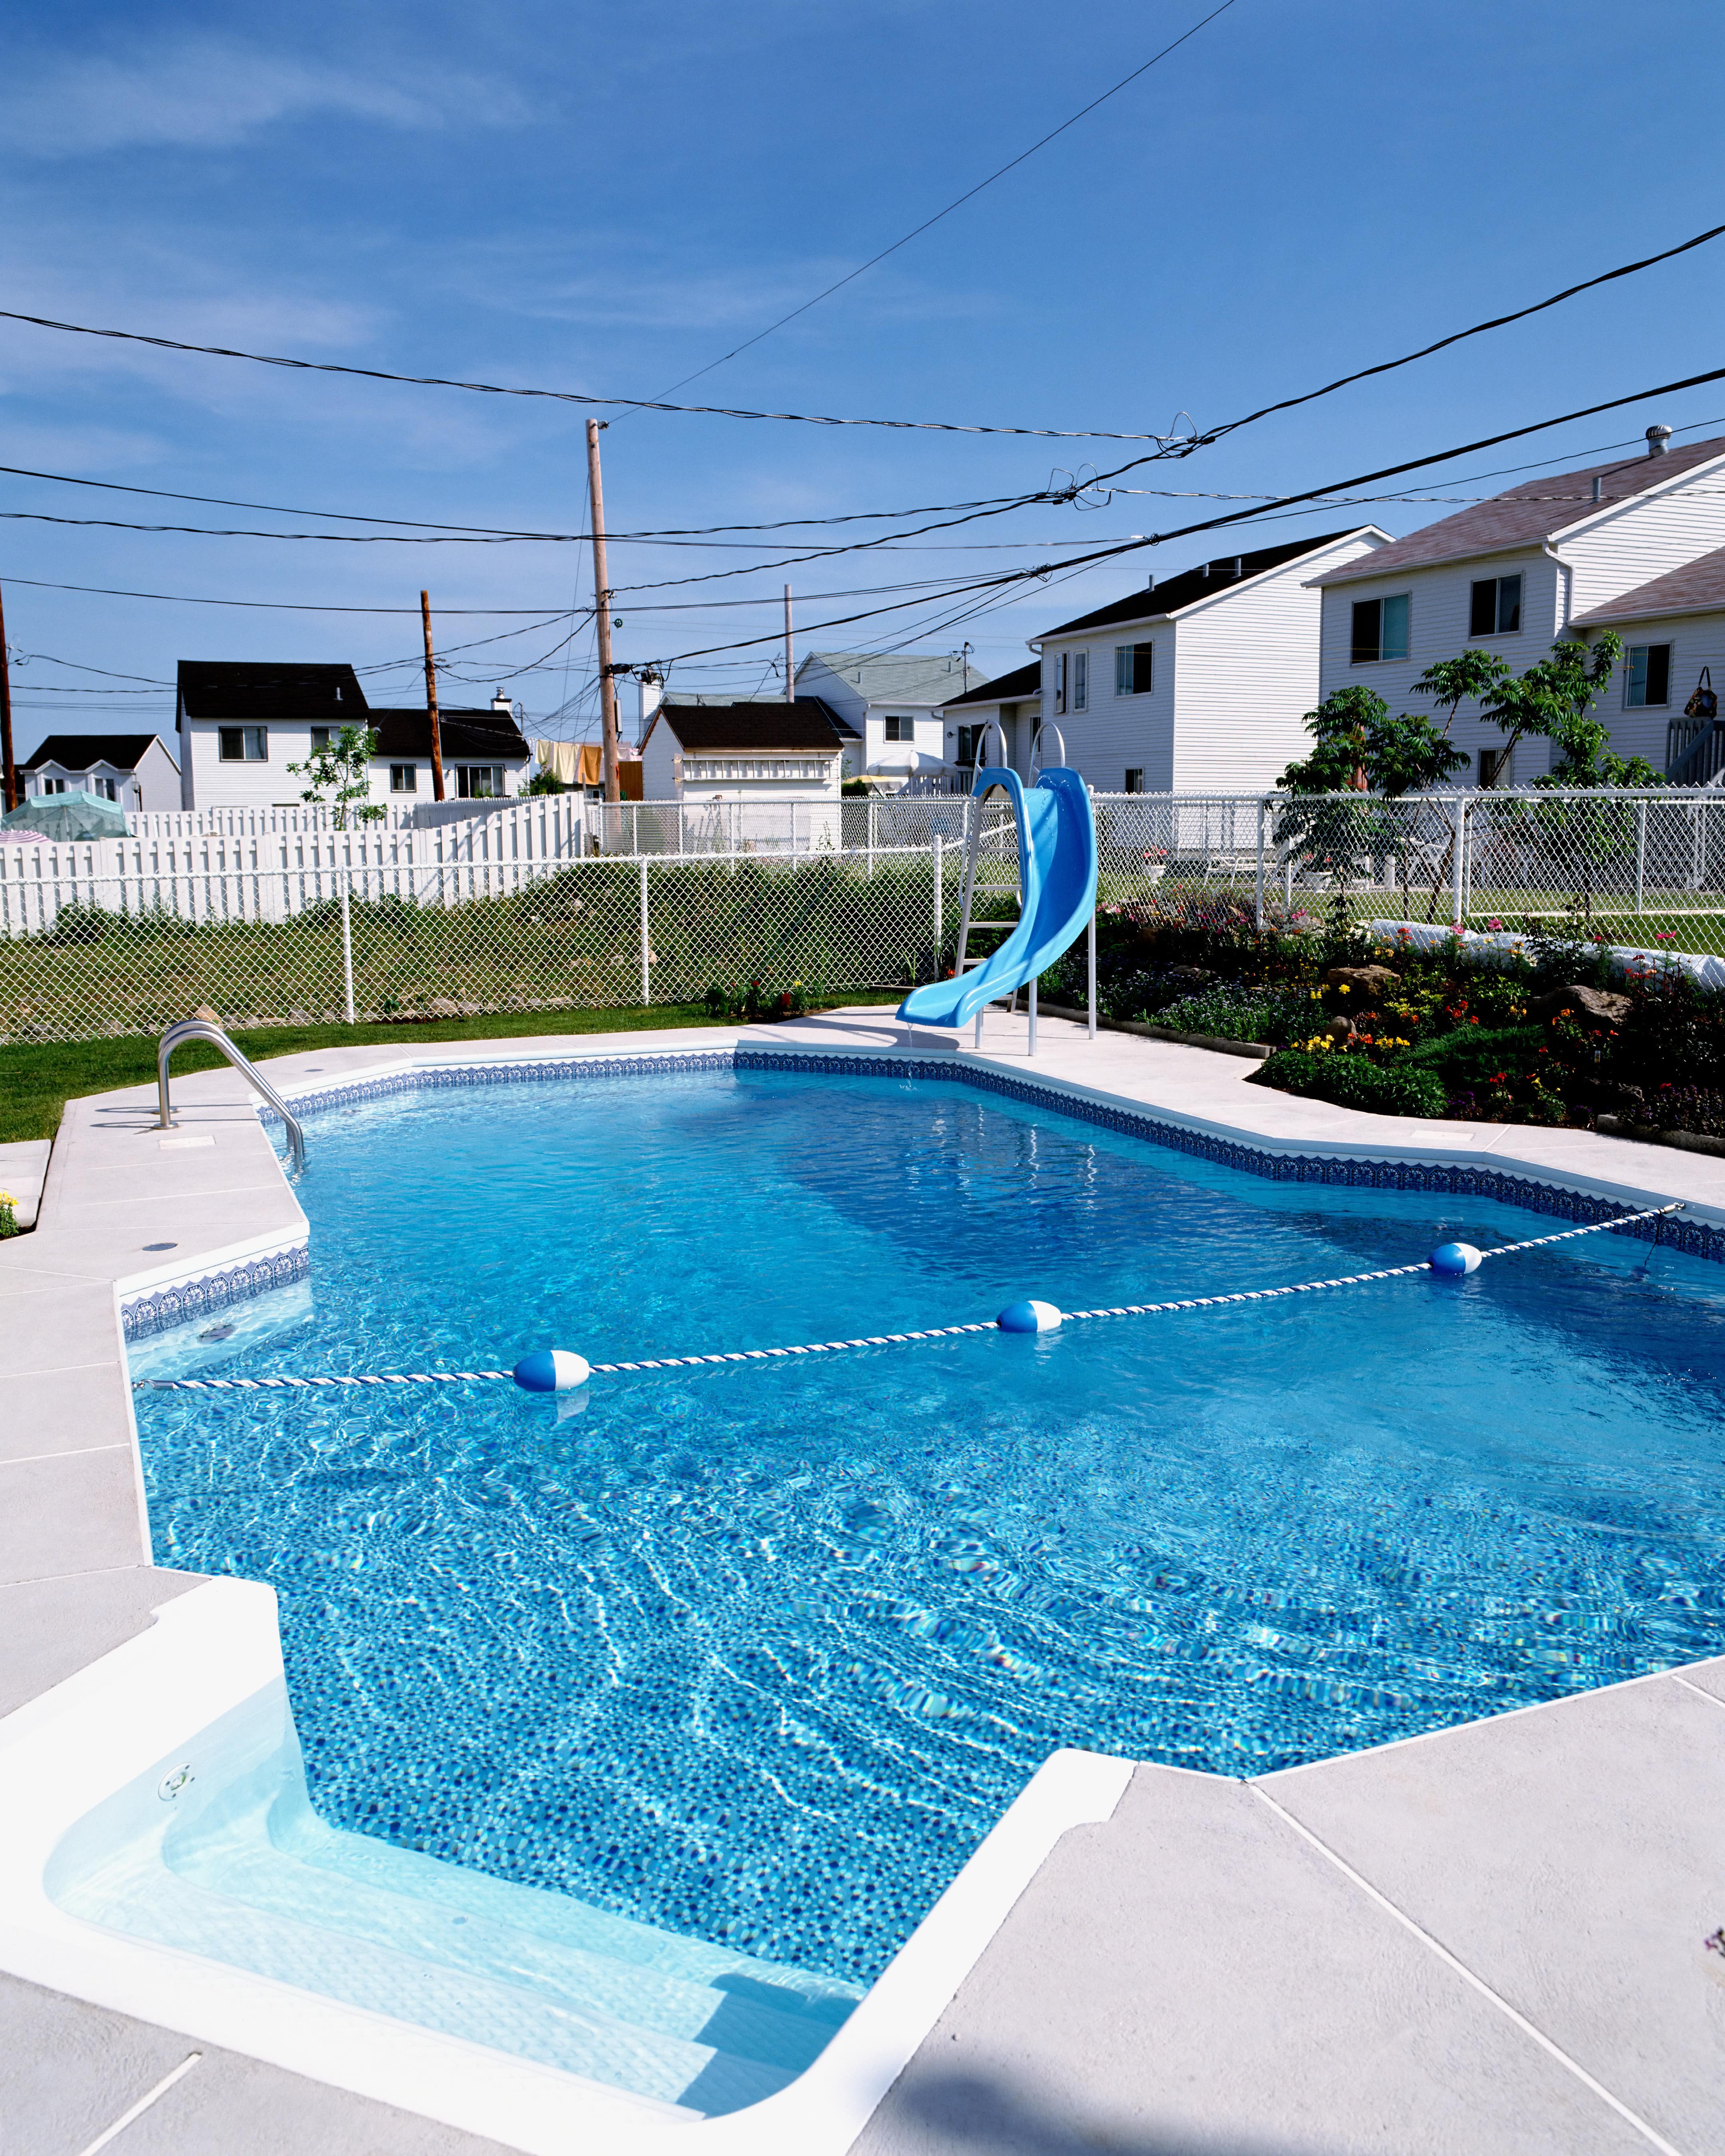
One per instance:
[(72, 1745)]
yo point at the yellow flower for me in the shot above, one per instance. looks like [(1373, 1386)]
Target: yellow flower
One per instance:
[(7, 1198), (1343, 988)]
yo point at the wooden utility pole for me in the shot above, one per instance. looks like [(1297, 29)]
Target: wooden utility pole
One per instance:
[(6, 718), (790, 671), (601, 601), (437, 731)]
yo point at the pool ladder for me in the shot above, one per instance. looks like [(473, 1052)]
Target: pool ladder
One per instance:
[(206, 1029)]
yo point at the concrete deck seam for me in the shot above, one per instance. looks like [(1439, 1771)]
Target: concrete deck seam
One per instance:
[(1528, 2028), (1713, 1699), (77, 1452), (63, 1369), (150, 2096)]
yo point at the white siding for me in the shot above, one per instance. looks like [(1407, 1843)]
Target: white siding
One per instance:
[(214, 784), (815, 678), (1646, 537), (1696, 640), (658, 757), (1440, 600), (1233, 675)]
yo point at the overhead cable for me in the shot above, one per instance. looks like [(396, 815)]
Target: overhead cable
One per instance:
[(958, 202)]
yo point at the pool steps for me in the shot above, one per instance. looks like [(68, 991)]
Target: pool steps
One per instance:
[(248, 1874)]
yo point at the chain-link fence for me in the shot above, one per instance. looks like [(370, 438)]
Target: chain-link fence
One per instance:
[(520, 912)]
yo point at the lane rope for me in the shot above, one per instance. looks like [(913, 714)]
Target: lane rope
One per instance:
[(880, 1339)]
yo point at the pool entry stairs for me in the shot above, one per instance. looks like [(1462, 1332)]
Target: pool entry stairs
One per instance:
[(1057, 888), (248, 1875)]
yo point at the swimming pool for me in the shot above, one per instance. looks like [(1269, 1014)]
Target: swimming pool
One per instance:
[(757, 1655)]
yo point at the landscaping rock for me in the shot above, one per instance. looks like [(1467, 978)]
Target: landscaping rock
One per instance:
[(1363, 980), (1595, 1006), (442, 1007), (1340, 1029), (1190, 977)]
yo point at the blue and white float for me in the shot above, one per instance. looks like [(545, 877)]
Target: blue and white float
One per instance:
[(551, 1370), (1455, 1259), (1028, 1317)]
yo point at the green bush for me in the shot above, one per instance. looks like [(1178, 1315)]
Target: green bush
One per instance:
[(1228, 1013), (1350, 1081)]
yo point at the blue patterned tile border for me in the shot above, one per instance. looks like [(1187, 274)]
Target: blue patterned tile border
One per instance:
[(181, 1302), (1452, 1179)]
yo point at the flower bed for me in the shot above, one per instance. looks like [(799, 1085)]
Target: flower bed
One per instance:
[(1555, 1032)]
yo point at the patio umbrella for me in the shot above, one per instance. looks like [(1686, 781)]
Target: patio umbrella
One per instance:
[(74, 814)]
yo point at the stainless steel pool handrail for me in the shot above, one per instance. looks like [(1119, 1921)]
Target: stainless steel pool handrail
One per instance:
[(203, 1028)]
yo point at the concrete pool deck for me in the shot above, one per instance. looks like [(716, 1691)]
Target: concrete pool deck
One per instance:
[(1492, 1938)]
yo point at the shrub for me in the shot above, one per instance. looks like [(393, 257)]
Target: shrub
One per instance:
[(1350, 1081), (1231, 1012)]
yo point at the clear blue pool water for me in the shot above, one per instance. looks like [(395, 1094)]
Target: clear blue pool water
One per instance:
[(759, 1654)]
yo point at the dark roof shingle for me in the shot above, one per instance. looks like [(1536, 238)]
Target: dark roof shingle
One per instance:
[(464, 734), (256, 689), (1204, 582), (1538, 509), (79, 751), (711, 729), (1005, 688)]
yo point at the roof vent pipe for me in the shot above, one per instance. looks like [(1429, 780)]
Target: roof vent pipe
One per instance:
[(1598, 486), (1659, 441)]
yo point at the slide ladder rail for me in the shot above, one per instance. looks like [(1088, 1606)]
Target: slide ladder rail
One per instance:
[(204, 1029), (1057, 873)]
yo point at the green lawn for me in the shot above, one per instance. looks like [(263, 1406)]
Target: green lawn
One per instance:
[(37, 1078)]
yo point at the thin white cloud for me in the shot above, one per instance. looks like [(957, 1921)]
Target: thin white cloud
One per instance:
[(203, 93)]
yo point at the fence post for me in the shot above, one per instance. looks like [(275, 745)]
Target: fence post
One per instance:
[(347, 948), (1458, 866), (873, 807), (1258, 916), (940, 907), (646, 947), (1641, 851)]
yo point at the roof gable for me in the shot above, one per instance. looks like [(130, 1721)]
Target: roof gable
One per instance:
[(82, 752), (1696, 587), (463, 733), (1529, 515), (1209, 581), (900, 677)]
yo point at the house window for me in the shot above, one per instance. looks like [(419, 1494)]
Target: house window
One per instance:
[(244, 744), (967, 747), (1080, 680), (901, 727), (320, 738), (1497, 606), (1134, 780), (1060, 683), (479, 781), (104, 787), (1133, 669), (53, 786), (1495, 766), (1380, 629), (403, 778), (1647, 675)]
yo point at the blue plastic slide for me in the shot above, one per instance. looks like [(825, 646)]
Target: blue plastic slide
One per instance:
[(1057, 885)]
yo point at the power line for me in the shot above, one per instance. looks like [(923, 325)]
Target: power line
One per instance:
[(969, 195), (1457, 336), (276, 606)]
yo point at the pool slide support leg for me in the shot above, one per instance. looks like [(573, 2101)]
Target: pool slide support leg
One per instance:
[(1090, 954)]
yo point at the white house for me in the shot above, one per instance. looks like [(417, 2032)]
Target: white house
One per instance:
[(135, 770), (242, 723), (1013, 702), (892, 703), (1673, 630), (1196, 683), (765, 752), (1556, 557)]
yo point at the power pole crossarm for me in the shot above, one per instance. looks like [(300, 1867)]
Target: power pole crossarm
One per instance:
[(437, 736), (601, 601)]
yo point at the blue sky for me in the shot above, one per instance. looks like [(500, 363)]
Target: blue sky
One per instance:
[(606, 200)]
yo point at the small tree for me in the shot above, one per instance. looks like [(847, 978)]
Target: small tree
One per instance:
[(1357, 748), (1452, 681), (339, 777), (1555, 697)]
